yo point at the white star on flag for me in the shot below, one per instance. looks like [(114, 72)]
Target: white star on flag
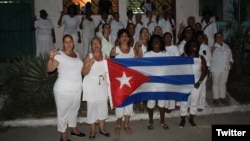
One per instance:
[(124, 80)]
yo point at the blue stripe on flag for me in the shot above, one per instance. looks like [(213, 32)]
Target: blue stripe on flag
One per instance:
[(144, 96), (157, 61), (173, 79)]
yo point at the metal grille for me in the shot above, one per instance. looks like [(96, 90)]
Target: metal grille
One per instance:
[(16, 36)]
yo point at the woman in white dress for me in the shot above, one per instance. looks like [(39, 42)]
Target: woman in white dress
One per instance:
[(142, 43), (156, 48), (191, 49), (171, 50), (95, 88), (141, 48), (71, 24), (45, 33), (88, 32), (221, 64), (68, 86), (206, 53), (123, 51), (107, 40), (187, 34)]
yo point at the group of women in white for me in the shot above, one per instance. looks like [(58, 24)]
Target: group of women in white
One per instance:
[(140, 38)]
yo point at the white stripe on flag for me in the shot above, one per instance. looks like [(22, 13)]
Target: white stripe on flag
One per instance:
[(164, 70), (163, 87)]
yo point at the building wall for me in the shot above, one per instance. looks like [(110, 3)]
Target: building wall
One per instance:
[(184, 9)]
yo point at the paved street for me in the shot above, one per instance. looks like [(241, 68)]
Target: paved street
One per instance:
[(140, 132)]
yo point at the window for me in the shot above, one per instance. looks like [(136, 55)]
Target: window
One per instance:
[(135, 6), (94, 5), (215, 6)]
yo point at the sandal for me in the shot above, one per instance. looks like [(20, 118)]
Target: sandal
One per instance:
[(182, 123), (150, 127), (164, 126), (128, 130), (91, 136), (117, 130), (192, 123)]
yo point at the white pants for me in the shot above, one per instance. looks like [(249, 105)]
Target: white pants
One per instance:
[(202, 100), (192, 103), (219, 84), (97, 111), (160, 103), (68, 98), (127, 110), (170, 104)]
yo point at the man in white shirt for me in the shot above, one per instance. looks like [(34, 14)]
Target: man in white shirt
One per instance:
[(166, 23), (209, 27), (138, 26), (149, 22), (104, 19), (130, 16), (116, 25)]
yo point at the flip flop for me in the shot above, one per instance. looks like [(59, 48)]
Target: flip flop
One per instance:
[(150, 127), (164, 126)]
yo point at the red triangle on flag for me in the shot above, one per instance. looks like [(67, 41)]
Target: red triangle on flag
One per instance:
[(123, 81)]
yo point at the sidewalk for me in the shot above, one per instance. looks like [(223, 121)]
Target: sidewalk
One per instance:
[(233, 106), (140, 132)]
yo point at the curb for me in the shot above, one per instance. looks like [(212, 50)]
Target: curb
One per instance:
[(112, 118)]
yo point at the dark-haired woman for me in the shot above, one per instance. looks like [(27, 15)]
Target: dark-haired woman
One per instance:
[(71, 24), (123, 51), (187, 34), (45, 33), (221, 63), (156, 48), (68, 86), (191, 49), (95, 88)]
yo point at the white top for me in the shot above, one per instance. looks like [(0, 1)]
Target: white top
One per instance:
[(95, 86), (107, 45), (137, 31), (124, 55), (221, 58), (115, 26), (172, 50), (166, 25), (151, 26), (88, 28), (144, 49), (100, 27), (69, 68), (181, 46), (125, 23), (206, 53), (197, 68), (71, 24), (155, 54), (44, 29), (210, 30)]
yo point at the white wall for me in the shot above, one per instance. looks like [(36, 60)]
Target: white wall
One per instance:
[(186, 8)]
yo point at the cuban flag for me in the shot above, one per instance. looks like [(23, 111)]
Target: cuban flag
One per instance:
[(153, 78)]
